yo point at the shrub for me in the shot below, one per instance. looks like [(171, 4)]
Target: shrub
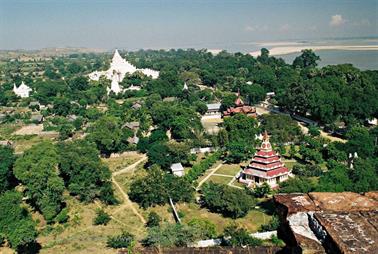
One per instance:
[(205, 228), (261, 191), (239, 237), (102, 218), (273, 224), (123, 240), (153, 220), (62, 217)]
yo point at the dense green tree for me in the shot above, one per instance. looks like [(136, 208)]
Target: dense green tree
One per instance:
[(282, 128), (38, 171), (297, 184), (171, 235), (157, 187), (7, 159), (239, 237), (336, 179), (206, 228), (361, 142), (124, 240), (241, 130), (106, 134), (85, 175), (16, 224), (307, 59), (226, 200), (365, 175)]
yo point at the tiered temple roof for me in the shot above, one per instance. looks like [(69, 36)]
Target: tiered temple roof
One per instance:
[(266, 163), (240, 107)]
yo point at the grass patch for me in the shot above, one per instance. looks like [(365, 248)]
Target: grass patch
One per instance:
[(118, 163), (219, 179), (252, 221), (229, 169), (23, 143)]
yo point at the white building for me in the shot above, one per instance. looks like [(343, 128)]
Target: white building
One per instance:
[(119, 67), (177, 169), (23, 90), (114, 86)]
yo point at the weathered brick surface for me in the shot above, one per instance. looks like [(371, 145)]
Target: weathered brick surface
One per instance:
[(350, 220)]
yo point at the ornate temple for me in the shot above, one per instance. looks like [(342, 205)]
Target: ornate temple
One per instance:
[(23, 90), (265, 167), (119, 67), (240, 107)]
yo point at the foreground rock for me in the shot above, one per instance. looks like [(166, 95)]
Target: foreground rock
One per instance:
[(329, 222)]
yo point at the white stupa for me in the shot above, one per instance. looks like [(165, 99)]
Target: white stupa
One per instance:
[(114, 86), (23, 90), (118, 69)]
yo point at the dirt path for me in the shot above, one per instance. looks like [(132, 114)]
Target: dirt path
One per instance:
[(130, 167), (127, 200), (212, 171)]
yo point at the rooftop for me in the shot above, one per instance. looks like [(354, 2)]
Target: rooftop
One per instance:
[(343, 222)]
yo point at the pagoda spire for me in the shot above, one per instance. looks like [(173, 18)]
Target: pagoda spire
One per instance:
[(238, 101)]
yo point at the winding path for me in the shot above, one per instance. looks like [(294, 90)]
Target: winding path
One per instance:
[(127, 201), (213, 170)]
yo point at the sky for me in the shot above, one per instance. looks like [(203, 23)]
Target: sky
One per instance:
[(31, 24)]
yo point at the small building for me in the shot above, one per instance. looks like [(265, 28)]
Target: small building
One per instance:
[(133, 140), (213, 108), (240, 108), (136, 105), (177, 169), (36, 118), (265, 167), (132, 125), (23, 90)]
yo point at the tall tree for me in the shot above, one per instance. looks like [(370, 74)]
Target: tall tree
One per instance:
[(6, 164), (16, 224), (38, 171), (84, 173), (307, 59)]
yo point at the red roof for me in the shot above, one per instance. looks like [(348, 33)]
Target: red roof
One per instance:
[(266, 166), (277, 171), (266, 160), (266, 154), (262, 173)]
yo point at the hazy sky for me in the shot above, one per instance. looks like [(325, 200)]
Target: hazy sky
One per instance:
[(31, 24)]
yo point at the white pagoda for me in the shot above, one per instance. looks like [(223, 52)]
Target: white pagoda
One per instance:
[(117, 71), (23, 90), (266, 167)]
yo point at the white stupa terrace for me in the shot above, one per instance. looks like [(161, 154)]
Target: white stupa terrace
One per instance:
[(117, 71), (23, 90)]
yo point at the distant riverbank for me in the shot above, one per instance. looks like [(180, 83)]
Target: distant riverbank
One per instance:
[(284, 50)]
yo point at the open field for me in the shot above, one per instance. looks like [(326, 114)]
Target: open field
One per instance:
[(252, 221), (211, 125), (229, 169), (83, 237), (220, 179), (124, 160), (23, 143)]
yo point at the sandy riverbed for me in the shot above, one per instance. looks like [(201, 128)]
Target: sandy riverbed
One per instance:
[(284, 50)]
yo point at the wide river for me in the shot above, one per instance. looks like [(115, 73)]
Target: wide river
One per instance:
[(364, 60)]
